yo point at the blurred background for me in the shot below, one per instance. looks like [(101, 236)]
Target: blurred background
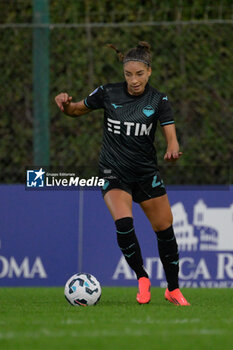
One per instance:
[(48, 47)]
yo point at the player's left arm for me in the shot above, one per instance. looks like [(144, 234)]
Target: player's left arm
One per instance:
[(172, 152)]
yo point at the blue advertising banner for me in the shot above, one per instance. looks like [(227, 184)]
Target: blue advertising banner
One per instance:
[(38, 236), (47, 236), (203, 224)]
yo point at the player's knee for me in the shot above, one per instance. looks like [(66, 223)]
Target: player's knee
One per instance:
[(162, 225), (124, 224)]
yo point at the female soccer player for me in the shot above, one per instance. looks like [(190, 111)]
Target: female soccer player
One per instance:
[(129, 166)]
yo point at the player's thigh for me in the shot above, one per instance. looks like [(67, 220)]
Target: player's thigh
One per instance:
[(158, 211), (119, 203)]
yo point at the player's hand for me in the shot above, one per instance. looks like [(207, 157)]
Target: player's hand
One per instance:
[(172, 156), (63, 100)]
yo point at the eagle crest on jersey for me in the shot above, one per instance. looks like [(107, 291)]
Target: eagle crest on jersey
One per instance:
[(148, 111)]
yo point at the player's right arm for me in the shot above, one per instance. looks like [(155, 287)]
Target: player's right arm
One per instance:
[(72, 109)]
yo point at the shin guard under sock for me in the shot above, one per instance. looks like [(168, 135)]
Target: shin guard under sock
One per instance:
[(129, 245), (169, 256)]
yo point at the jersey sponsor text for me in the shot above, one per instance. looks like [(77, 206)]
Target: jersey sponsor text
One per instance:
[(136, 129)]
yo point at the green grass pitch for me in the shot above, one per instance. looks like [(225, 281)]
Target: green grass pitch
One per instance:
[(41, 318)]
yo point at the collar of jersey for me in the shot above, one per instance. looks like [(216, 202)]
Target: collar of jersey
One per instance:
[(136, 96)]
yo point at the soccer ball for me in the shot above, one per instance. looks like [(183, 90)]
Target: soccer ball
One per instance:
[(82, 289)]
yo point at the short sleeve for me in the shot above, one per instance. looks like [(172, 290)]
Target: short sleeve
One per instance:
[(165, 111), (96, 99)]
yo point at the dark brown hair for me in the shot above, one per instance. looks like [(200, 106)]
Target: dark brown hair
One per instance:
[(140, 53)]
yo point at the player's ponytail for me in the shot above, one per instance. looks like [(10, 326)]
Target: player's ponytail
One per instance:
[(119, 54), (140, 53)]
